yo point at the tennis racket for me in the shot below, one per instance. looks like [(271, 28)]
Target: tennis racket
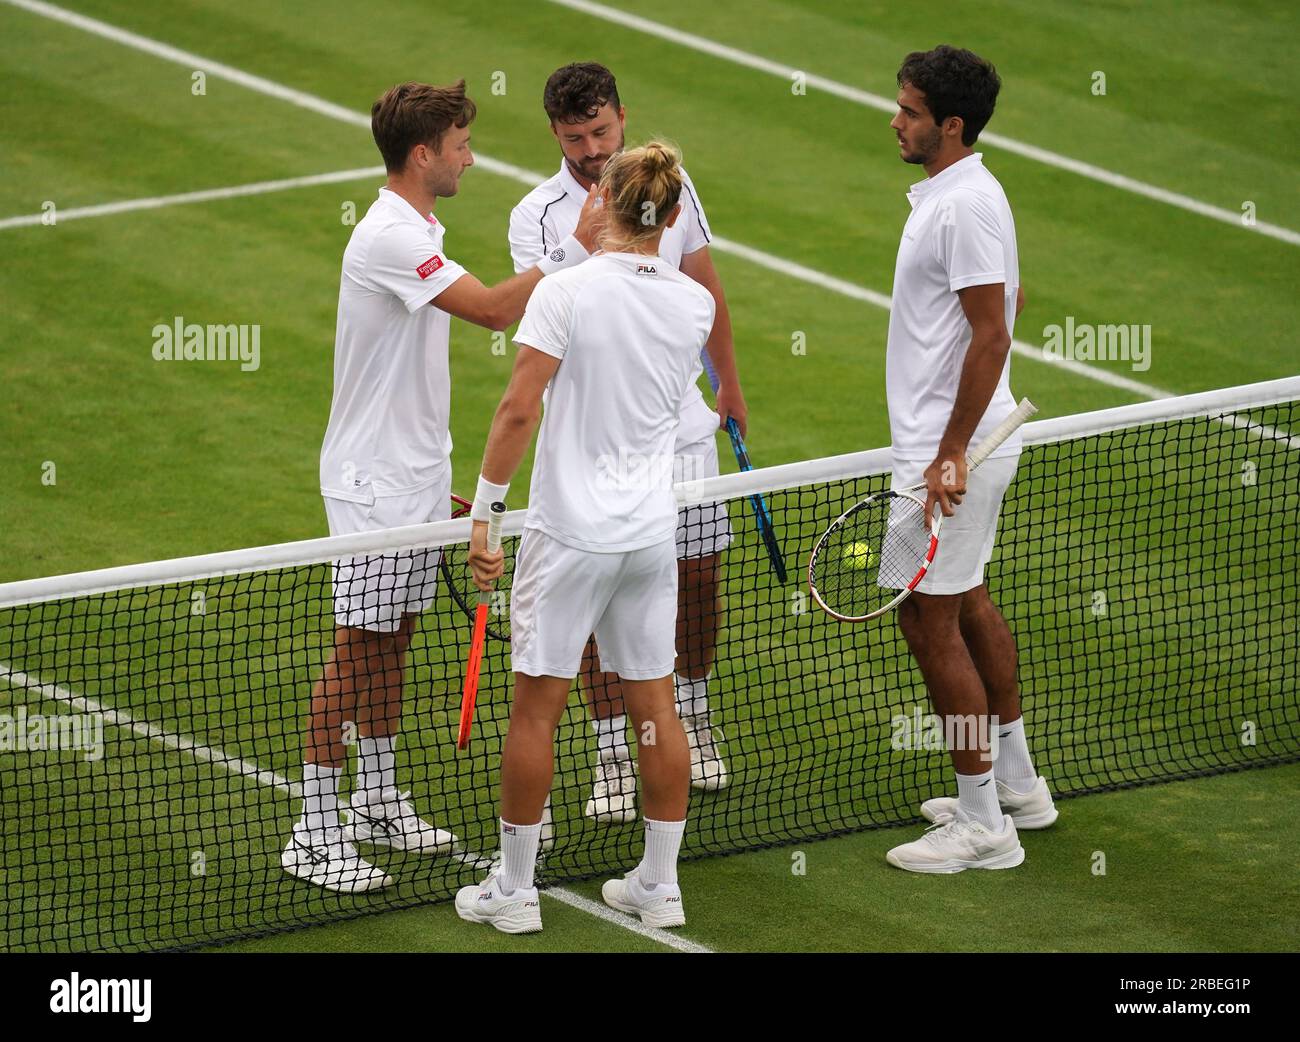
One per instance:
[(459, 580), (762, 516), (875, 553), (480, 632)]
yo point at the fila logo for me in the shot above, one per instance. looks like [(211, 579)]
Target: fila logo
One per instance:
[(509, 830), (646, 269), (557, 255), (429, 267)]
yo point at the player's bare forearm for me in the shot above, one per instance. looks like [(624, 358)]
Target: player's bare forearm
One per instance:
[(982, 369), (721, 345), (494, 307), (512, 432)]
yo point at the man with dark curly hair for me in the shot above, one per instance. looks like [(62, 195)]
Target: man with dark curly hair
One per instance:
[(587, 119), (947, 374)]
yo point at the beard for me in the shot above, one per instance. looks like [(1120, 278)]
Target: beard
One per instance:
[(926, 149), (591, 169)]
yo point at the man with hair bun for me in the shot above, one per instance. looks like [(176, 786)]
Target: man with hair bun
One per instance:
[(618, 342), (587, 119)]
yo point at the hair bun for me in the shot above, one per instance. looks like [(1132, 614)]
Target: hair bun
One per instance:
[(662, 156)]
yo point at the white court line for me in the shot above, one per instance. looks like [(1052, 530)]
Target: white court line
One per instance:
[(27, 684), (203, 196), (531, 179), (883, 104)]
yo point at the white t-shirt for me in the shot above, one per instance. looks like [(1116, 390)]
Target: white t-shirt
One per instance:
[(388, 428), (628, 329), (549, 214), (960, 233)]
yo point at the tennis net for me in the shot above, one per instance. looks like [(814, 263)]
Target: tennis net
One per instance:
[(151, 717)]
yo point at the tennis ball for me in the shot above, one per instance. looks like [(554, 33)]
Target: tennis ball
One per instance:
[(859, 555)]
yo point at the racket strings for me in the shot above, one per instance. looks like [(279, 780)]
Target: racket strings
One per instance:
[(871, 554)]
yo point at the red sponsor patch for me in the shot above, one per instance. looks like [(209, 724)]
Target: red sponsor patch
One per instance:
[(429, 267)]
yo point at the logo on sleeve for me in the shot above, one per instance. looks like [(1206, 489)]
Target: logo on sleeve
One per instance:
[(646, 269), (557, 255), (429, 267)]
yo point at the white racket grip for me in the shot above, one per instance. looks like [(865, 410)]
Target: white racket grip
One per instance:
[(494, 527), (1001, 433)]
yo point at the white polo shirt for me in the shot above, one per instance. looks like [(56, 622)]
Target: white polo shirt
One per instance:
[(960, 233), (628, 329), (549, 213), (388, 427)]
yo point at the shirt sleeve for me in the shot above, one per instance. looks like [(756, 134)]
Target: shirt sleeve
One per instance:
[(547, 318), (696, 227), (525, 238), (969, 241), (404, 263)]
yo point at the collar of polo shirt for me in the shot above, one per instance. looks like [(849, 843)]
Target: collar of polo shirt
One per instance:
[(570, 183), (403, 207), (948, 173)]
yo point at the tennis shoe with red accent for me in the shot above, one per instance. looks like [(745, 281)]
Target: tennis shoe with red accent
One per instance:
[(520, 911), (326, 858), (660, 905), (959, 844), (393, 823), (1029, 810)]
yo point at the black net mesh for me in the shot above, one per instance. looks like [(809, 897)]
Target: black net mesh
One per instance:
[(151, 739)]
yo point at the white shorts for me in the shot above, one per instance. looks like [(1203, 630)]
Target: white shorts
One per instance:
[(703, 529), (966, 539), (561, 596), (373, 593)]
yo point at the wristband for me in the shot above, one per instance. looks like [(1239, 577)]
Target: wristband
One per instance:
[(485, 496), (565, 255)]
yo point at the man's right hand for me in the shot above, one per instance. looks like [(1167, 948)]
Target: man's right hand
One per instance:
[(485, 565), (591, 222)]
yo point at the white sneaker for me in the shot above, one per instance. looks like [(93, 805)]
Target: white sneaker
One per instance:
[(326, 858), (959, 844), (394, 823), (708, 772), (660, 906), (520, 912), (1029, 810), (613, 796)]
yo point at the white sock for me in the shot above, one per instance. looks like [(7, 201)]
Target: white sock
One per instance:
[(611, 736), (662, 841), (1014, 767), (518, 855), (977, 796), (692, 695), (377, 767), (320, 797)]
